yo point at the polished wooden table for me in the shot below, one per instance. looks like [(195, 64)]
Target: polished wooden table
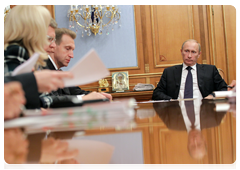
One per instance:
[(138, 95), (163, 135)]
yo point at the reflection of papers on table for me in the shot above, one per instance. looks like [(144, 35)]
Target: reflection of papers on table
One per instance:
[(145, 113), (107, 114), (222, 107), (87, 70), (91, 152), (27, 66)]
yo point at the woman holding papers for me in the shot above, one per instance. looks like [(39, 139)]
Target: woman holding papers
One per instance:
[(25, 33)]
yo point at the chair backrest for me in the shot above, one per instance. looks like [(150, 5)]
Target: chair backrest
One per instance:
[(221, 72)]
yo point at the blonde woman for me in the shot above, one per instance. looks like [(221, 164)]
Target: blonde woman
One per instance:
[(25, 32)]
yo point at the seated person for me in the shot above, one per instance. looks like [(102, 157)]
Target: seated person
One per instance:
[(60, 54), (177, 82), (21, 43)]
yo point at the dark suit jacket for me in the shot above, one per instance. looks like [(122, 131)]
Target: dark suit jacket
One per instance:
[(209, 80), (171, 115), (29, 86), (14, 55), (67, 90)]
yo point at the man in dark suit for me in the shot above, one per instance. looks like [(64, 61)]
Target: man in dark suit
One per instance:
[(205, 78), (60, 54)]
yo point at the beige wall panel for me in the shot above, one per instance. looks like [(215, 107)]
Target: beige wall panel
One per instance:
[(219, 40), (230, 22), (172, 25), (196, 9), (200, 30)]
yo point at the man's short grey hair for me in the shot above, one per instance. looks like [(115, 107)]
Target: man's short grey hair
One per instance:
[(199, 46), (53, 24)]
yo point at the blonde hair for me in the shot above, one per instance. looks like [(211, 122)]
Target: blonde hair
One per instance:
[(61, 31), (28, 24)]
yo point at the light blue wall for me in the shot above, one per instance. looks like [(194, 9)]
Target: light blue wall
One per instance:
[(118, 49)]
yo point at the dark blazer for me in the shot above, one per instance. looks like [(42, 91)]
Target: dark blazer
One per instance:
[(67, 90), (208, 77), (171, 115), (14, 55), (29, 86)]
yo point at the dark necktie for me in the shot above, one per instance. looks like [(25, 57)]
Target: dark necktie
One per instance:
[(190, 112), (188, 91)]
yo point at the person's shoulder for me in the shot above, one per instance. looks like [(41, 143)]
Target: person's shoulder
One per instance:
[(15, 50), (174, 67), (12, 48), (206, 66)]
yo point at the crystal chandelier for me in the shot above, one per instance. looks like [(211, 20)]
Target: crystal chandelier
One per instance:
[(93, 18)]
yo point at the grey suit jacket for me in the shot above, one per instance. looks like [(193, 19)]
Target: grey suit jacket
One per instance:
[(209, 80)]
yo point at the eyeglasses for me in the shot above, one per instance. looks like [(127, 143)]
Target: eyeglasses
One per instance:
[(51, 39)]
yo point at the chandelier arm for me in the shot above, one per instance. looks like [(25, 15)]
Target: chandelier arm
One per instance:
[(83, 17), (108, 17), (81, 25), (118, 15)]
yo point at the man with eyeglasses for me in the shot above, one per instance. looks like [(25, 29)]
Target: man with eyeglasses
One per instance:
[(54, 63), (51, 38)]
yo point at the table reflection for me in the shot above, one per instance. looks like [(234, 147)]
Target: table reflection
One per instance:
[(174, 116), (169, 136), (15, 146)]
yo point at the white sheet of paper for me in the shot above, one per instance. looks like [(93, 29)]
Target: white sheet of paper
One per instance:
[(223, 93), (87, 70), (27, 66), (91, 152)]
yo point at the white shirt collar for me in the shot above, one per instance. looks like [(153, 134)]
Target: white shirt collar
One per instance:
[(185, 66), (52, 62)]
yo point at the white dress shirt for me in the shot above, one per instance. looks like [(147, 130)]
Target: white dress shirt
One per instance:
[(197, 103), (196, 92), (52, 62), (78, 96)]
